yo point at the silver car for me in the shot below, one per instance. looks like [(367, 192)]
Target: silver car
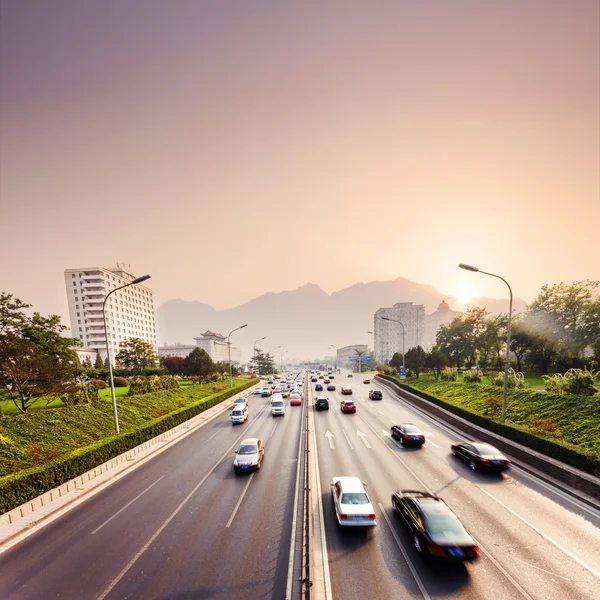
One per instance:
[(249, 455)]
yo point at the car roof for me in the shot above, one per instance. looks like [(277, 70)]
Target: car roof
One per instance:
[(350, 484), (323, 398), (250, 441)]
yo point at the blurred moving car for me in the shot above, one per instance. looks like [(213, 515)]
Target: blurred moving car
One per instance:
[(327, 380), (352, 505), (349, 374), (258, 391), (348, 406), (295, 399), (481, 456), (322, 403), (277, 406), (285, 393), (249, 455), (347, 391), (408, 434), (318, 387), (375, 395), (314, 379), (240, 400), (266, 392), (331, 387), (366, 380), (436, 531)]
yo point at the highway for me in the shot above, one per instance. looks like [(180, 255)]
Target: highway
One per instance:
[(534, 544), (183, 525)]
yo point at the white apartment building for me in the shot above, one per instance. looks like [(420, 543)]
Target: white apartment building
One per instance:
[(343, 354), (215, 345), (442, 316), (129, 312), (388, 334), (176, 350)]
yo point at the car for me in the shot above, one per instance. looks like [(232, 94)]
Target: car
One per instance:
[(258, 391), (346, 391), (314, 379), (318, 387), (408, 434), (375, 395), (348, 406), (351, 503), (322, 403), (267, 391), (327, 381), (366, 380), (239, 413), (350, 375), (277, 390), (241, 400), (285, 393), (277, 405), (321, 376), (331, 387), (482, 456), (249, 455), (436, 531), (331, 377), (295, 399)]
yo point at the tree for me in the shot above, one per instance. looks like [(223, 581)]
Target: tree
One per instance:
[(396, 361), (87, 362), (136, 355), (450, 340), (35, 359), (173, 364), (415, 359), (262, 363), (98, 364), (436, 361), (198, 363), (222, 367), (520, 341), (106, 363)]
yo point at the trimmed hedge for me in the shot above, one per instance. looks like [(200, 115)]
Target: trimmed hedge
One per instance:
[(24, 486), (580, 458)]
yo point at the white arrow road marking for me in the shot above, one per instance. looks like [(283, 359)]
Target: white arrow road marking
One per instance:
[(385, 433), (348, 440), (363, 437), (329, 437)]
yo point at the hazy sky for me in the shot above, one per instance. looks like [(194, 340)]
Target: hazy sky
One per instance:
[(233, 148)]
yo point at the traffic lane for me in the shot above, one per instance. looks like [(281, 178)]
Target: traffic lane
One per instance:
[(233, 539), (520, 550), (384, 567), (109, 526), (574, 530)]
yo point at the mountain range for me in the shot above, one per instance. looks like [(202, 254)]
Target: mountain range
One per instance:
[(306, 321)]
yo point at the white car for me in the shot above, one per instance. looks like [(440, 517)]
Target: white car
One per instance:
[(249, 455), (258, 391), (277, 405), (239, 414), (352, 505)]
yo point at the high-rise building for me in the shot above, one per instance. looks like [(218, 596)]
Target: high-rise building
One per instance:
[(129, 312), (343, 355), (215, 345), (388, 334)]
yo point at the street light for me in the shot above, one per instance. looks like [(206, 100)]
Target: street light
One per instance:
[(273, 355), (229, 351), (397, 321), (282, 359), (110, 371), (374, 355), (254, 351), (505, 390)]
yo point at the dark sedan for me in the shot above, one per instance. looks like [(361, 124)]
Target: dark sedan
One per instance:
[(318, 387), (435, 530), (481, 456), (408, 434), (321, 403), (331, 387)]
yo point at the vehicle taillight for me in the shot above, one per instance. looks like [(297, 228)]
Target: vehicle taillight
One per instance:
[(372, 516), (343, 516), (407, 437), (436, 551), (484, 460), (475, 550)]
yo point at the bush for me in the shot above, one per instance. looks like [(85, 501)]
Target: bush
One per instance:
[(449, 374), (580, 383), (514, 380), (146, 385), (85, 393), (473, 376), (99, 384), (120, 382)]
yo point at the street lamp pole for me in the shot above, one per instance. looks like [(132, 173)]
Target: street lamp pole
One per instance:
[(506, 364), (254, 351), (110, 371), (282, 359), (374, 355), (229, 351), (402, 324), (272, 353)]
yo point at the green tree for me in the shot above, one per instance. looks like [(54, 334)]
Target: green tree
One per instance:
[(198, 363), (450, 340), (173, 364), (87, 362), (415, 359), (35, 359), (136, 355), (98, 364), (520, 340), (436, 361), (262, 363), (396, 361)]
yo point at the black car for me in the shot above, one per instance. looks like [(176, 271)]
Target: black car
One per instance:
[(321, 403), (481, 456), (375, 395), (331, 377), (314, 379), (318, 387), (435, 530), (331, 387), (408, 435)]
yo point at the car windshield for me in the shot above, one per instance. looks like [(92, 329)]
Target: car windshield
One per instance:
[(356, 498), (278, 403), (446, 525), (486, 450), (349, 403), (248, 449)]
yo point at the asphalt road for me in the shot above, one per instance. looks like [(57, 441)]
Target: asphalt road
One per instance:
[(535, 542), (183, 525)]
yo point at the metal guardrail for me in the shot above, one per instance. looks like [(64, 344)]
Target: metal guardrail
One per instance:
[(307, 522)]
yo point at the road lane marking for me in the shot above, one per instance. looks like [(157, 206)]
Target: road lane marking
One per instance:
[(239, 501), (404, 553), (272, 432), (348, 440), (126, 506), (546, 537), (430, 441), (540, 569), (329, 437), (363, 437)]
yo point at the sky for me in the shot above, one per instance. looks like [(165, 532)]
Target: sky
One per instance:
[(234, 148)]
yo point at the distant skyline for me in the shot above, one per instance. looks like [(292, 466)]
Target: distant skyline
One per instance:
[(234, 148)]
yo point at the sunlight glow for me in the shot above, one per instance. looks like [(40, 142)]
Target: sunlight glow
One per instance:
[(464, 293)]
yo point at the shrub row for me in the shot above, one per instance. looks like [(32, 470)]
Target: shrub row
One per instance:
[(583, 459), (26, 485)]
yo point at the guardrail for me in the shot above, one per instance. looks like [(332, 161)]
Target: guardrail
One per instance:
[(307, 523)]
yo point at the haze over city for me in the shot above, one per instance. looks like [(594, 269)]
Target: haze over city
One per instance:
[(235, 148)]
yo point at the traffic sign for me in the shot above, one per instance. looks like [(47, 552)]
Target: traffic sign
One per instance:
[(366, 358), (353, 358), (402, 373)]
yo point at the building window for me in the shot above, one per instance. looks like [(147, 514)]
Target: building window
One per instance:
[(79, 321), (78, 314), (80, 329), (74, 283)]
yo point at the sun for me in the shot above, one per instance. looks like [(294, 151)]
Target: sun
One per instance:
[(464, 293)]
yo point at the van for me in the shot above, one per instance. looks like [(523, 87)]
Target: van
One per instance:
[(239, 413), (277, 405)]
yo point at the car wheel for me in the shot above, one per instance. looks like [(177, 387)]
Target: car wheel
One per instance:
[(401, 441), (453, 451), (473, 465), (417, 544)]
